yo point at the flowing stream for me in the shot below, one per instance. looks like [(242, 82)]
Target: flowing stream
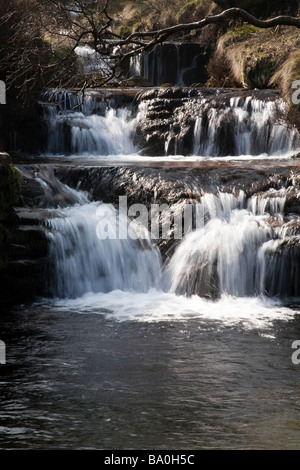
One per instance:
[(142, 342)]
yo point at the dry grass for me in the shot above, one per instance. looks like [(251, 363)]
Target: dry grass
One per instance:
[(287, 73), (250, 57)]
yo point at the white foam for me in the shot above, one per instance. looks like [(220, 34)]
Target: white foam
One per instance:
[(158, 306)]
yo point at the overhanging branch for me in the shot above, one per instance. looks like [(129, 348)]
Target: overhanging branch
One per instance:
[(231, 13)]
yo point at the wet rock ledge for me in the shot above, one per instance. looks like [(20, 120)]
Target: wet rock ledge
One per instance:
[(166, 126)]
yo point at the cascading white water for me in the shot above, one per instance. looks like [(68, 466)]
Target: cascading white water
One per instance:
[(240, 247), (180, 64), (84, 262), (92, 61), (237, 250), (247, 127), (104, 135), (79, 125)]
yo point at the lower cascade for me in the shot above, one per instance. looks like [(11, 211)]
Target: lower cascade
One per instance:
[(232, 253), (242, 247), (84, 262)]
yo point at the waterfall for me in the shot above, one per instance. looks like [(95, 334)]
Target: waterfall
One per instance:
[(246, 127), (180, 64), (240, 246), (239, 250), (104, 135), (198, 125), (84, 262), (86, 124)]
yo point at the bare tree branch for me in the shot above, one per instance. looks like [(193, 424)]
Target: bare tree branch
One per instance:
[(231, 13), (84, 22)]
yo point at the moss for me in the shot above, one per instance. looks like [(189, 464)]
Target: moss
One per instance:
[(128, 27), (239, 34), (133, 17), (160, 14), (186, 11)]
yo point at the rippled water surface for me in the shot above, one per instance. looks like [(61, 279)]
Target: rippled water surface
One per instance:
[(90, 377)]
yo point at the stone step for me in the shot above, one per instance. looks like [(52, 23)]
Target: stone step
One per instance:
[(27, 234), (29, 216)]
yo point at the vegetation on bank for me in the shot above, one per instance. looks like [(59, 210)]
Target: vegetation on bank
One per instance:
[(243, 55), (249, 57), (38, 38)]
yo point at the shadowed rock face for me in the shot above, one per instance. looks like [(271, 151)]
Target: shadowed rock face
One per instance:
[(181, 64), (17, 272)]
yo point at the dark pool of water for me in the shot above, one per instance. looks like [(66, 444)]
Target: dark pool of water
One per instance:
[(84, 381)]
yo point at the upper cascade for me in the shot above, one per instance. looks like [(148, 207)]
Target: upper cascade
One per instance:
[(169, 121), (88, 123), (179, 63)]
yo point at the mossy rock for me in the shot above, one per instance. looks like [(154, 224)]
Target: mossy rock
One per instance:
[(253, 58), (239, 34)]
